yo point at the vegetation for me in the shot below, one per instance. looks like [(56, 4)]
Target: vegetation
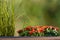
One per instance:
[(27, 12), (39, 31), (6, 19)]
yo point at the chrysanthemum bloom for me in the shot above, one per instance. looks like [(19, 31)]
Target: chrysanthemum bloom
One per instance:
[(28, 28)]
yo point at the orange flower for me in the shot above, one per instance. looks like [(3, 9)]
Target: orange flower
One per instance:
[(44, 27), (30, 32), (28, 28), (33, 30), (37, 27), (40, 30)]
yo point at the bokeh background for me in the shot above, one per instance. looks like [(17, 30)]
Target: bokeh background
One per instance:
[(37, 12), (33, 12)]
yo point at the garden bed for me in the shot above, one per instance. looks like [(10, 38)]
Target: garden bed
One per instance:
[(39, 31)]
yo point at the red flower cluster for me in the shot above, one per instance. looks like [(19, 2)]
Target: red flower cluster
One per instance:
[(37, 29)]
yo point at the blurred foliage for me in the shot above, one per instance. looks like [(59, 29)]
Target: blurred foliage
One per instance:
[(37, 12), (6, 18)]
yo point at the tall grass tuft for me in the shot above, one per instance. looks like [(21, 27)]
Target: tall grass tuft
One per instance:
[(6, 19)]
